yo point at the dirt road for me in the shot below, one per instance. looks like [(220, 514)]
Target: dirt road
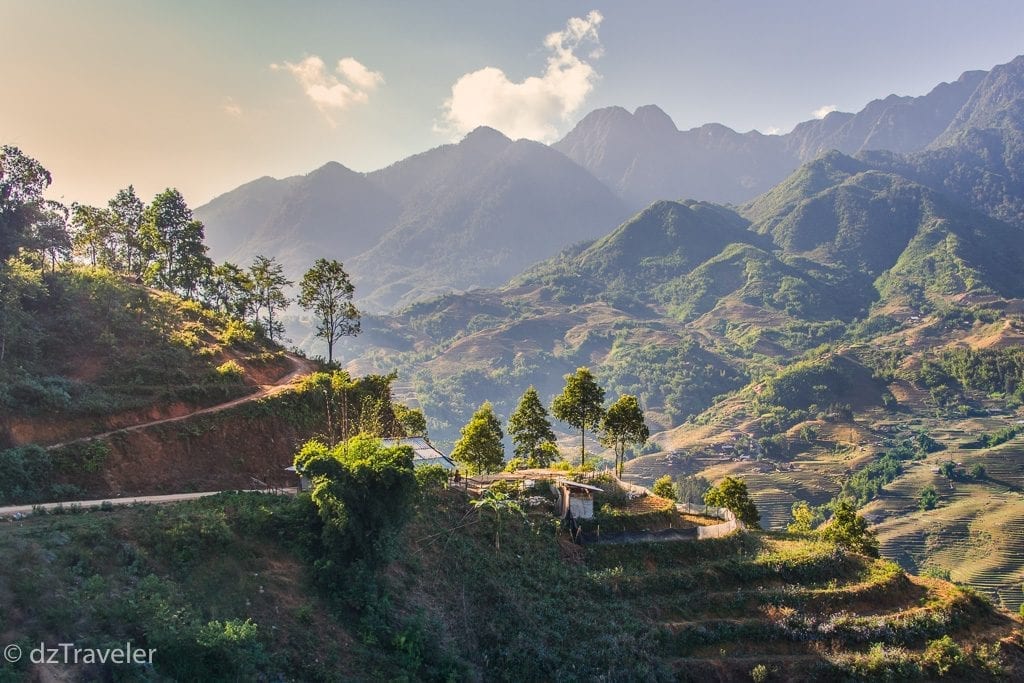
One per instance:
[(18, 511), (300, 367)]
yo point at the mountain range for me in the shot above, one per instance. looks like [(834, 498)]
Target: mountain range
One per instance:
[(476, 213)]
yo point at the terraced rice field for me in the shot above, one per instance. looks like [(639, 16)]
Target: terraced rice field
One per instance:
[(802, 609)]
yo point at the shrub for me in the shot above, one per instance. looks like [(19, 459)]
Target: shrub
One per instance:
[(24, 473), (928, 498), (942, 655), (731, 493), (237, 332), (759, 674), (849, 530), (665, 488), (230, 371), (431, 477)]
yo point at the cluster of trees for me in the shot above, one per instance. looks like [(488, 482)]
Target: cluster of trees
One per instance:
[(161, 244), (845, 527), (580, 405)]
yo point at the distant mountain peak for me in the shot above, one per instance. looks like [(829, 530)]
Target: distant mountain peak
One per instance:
[(653, 118), (332, 169), (484, 135)]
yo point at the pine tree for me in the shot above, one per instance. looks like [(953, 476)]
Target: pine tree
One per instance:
[(530, 430)]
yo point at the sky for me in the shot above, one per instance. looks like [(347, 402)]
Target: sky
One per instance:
[(204, 95)]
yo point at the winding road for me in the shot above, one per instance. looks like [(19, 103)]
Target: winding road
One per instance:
[(300, 368)]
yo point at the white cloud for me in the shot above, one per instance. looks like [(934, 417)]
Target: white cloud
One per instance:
[(231, 108), (773, 130), (534, 107), (824, 110), (328, 91)]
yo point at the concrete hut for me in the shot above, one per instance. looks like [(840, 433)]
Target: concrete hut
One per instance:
[(576, 499)]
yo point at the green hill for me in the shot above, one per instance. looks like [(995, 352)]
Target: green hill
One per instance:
[(223, 589), (90, 349)]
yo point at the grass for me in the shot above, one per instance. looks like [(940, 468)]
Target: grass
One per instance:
[(222, 588)]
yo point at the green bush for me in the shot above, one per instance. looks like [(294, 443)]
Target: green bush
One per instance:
[(230, 371), (25, 474), (665, 488), (942, 655), (928, 498)]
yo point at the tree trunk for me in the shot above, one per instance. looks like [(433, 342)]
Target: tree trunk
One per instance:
[(583, 443)]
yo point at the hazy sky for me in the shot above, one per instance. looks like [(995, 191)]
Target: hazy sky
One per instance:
[(205, 95)]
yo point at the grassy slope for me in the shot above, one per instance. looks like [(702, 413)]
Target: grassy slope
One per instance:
[(100, 353), (537, 609)]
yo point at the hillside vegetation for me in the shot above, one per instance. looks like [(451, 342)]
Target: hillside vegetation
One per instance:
[(225, 588)]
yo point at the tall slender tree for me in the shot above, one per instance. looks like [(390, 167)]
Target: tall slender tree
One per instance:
[(580, 405), (127, 211), (164, 228), (268, 294), (327, 291), (531, 430), (50, 238), (229, 289), (91, 234), (623, 425)]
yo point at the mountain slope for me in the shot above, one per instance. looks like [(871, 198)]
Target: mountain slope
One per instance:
[(455, 217), (477, 213), (331, 212)]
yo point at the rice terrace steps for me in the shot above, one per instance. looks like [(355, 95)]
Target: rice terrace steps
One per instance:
[(785, 608)]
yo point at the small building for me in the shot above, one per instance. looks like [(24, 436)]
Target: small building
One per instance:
[(304, 483), (576, 499)]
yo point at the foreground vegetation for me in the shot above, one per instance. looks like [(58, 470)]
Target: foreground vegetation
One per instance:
[(232, 587)]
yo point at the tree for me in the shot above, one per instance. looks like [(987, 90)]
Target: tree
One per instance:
[(412, 420), (192, 265), (128, 212), (268, 293), (623, 425), (928, 498), (948, 469), (805, 518), (229, 289), (580, 404), (363, 491), (850, 530), (479, 448), (91, 234), (500, 503), (731, 493), (22, 183), (978, 471), (172, 241), (692, 488), (664, 487), (327, 292), (530, 430), (165, 224), (50, 238)]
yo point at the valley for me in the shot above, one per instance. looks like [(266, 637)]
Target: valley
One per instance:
[(819, 332)]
